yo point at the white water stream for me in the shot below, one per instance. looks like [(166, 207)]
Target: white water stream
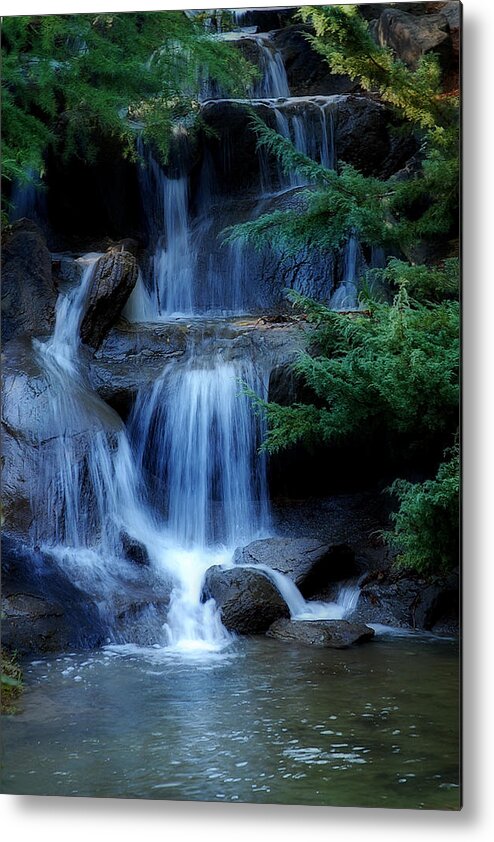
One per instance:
[(186, 479)]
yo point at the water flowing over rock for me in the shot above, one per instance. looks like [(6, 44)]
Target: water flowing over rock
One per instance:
[(35, 443), (332, 634), (42, 609), (196, 440), (28, 291), (111, 284), (309, 563), (247, 600), (307, 75)]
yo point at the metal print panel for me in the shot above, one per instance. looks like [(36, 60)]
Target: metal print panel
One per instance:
[(230, 453)]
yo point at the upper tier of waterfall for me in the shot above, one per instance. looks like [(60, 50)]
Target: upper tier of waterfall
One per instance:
[(190, 271)]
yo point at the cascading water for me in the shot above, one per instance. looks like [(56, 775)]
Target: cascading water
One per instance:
[(205, 478), (308, 124), (28, 199), (345, 296), (274, 81), (171, 266), (89, 485), (187, 480)]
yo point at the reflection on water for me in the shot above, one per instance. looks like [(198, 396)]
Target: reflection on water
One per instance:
[(260, 722)]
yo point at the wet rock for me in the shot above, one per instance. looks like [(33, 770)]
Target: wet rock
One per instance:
[(307, 72), (364, 137), (308, 562), (42, 610), (408, 601), (411, 37), (329, 634), (231, 143), (132, 357), (112, 282), (33, 439), (28, 291), (67, 269), (134, 550), (438, 605), (248, 601)]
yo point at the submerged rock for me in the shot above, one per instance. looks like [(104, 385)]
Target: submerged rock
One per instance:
[(111, 284), (308, 562), (134, 550), (331, 634), (248, 601), (28, 291)]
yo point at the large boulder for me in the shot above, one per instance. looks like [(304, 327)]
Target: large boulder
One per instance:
[(47, 608), (329, 634), (28, 291), (410, 36), (42, 610), (309, 563), (366, 137), (112, 282), (405, 600), (247, 599)]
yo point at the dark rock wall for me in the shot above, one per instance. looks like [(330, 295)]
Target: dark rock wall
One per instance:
[(29, 293)]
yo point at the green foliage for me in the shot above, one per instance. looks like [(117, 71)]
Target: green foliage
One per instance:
[(387, 212), (342, 36), (424, 283), (10, 683), (426, 523), (338, 203), (394, 369), (69, 81)]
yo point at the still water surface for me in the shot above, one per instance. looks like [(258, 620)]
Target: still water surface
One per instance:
[(264, 722)]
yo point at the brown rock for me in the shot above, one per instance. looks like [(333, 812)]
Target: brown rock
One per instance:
[(331, 634), (248, 601), (411, 37), (112, 282)]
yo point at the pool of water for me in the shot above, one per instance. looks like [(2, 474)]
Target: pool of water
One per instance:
[(265, 722)]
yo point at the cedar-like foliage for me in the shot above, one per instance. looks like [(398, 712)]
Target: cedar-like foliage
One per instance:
[(396, 367), (70, 81)]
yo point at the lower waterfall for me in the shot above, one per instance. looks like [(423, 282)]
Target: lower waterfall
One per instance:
[(185, 479)]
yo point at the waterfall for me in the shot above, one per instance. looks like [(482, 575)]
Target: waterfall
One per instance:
[(89, 484), (171, 265), (308, 123), (303, 609), (274, 81), (345, 296), (185, 478), (196, 440), (28, 199)]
